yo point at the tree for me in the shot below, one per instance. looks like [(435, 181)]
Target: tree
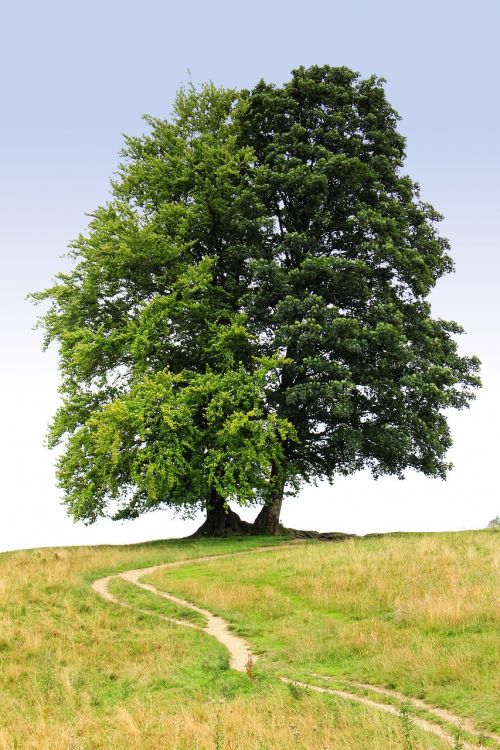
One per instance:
[(163, 391), (249, 310), (340, 288)]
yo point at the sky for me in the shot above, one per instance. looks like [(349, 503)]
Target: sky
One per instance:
[(76, 76)]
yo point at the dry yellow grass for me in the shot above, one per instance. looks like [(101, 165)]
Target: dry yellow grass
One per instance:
[(263, 720), (77, 673), (418, 612)]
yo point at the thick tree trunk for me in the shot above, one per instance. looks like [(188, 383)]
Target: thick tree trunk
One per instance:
[(222, 521), (267, 522)]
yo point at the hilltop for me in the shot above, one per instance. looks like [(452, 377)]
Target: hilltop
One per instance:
[(362, 643)]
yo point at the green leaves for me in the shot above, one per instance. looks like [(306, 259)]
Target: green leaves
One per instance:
[(175, 437), (340, 286), (249, 307)]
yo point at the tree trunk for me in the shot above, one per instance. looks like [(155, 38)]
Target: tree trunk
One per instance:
[(221, 521), (267, 522)]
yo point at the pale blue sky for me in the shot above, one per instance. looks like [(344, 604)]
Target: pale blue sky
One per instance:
[(74, 76)]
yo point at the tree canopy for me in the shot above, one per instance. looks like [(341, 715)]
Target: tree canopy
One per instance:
[(249, 310)]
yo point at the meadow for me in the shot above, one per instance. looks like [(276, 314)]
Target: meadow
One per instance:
[(413, 614)]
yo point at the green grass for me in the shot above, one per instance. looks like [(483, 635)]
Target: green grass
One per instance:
[(416, 613), (145, 600), (79, 673)]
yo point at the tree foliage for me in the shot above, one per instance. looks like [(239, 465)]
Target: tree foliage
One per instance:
[(341, 288), (250, 308), (164, 390)]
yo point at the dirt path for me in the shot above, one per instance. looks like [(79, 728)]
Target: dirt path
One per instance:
[(242, 658), (441, 713), (240, 655)]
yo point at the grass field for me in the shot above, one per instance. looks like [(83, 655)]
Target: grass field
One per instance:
[(416, 613)]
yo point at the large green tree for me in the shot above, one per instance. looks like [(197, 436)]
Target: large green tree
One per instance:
[(249, 310), (340, 288)]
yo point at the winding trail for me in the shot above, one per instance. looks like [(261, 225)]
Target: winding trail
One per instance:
[(241, 657)]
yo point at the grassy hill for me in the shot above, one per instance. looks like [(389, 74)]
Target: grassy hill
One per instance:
[(413, 615)]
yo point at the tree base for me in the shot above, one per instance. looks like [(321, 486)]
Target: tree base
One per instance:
[(222, 524), (233, 525), (267, 522)]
